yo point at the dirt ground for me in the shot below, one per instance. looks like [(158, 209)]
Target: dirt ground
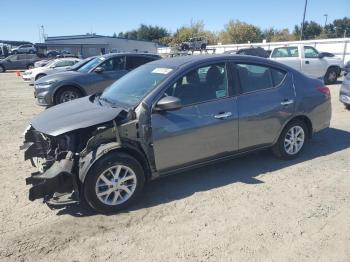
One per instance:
[(255, 208)]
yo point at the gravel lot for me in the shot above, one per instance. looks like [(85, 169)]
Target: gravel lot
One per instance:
[(253, 208)]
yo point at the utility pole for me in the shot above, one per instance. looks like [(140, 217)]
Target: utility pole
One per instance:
[(325, 22), (302, 24)]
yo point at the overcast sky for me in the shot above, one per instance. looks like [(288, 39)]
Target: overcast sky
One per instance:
[(21, 19)]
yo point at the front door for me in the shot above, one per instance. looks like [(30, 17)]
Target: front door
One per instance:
[(265, 103), (312, 65), (204, 128)]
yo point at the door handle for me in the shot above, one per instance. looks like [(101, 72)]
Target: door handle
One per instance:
[(223, 115), (287, 102), (307, 62)]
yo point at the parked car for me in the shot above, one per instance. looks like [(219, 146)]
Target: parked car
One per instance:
[(59, 54), (168, 116), (17, 62), (42, 62), (309, 61), (54, 66), (24, 49), (194, 43), (254, 51), (91, 78), (344, 93), (346, 68)]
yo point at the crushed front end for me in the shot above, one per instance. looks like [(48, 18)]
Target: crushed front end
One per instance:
[(54, 159)]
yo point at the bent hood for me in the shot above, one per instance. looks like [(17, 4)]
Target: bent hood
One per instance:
[(76, 114)]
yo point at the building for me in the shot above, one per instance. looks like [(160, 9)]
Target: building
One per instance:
[(92, 44)]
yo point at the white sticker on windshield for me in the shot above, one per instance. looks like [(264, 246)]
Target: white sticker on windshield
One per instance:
[(162, 70)]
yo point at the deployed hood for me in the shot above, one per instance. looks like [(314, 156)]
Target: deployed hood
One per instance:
[(76, 114), (65, 75)]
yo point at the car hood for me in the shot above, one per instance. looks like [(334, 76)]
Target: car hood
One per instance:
[(60, 76), (73, 115)]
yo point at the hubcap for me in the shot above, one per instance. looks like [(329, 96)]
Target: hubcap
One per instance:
[(294, 140), (68, 96), (116, 185)]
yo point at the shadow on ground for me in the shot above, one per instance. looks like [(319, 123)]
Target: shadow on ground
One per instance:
[(243, 169)]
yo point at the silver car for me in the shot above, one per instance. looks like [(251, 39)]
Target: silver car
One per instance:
[(344, 93), (168, 116)]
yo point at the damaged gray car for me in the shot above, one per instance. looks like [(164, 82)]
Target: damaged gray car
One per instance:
[(166, 117)]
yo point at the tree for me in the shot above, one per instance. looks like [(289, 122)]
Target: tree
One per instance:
[(146, 32), (239, 32), (311, 30), (193, 30), (340, 26)]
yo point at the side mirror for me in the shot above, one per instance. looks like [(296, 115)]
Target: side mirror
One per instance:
[(321, 55), (99, 69), (168, 103)]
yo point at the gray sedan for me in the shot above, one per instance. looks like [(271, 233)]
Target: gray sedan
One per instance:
[(169, 116), (93, 77)]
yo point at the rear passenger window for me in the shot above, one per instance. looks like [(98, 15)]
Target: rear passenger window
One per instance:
[(200, 85), (133, 62), (257, 77)]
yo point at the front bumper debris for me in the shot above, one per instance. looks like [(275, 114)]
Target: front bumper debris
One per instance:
[(55, 178)]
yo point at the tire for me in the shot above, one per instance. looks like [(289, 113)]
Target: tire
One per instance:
[(2, 69), (282, 149), (203, 46), (185, 47), (39, 76), (331, 76), (66, 94), (30, 66), (15, 52), (107, 201)]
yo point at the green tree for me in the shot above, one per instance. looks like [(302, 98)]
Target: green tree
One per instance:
[(239, 32), (311, 30), (146, 32), (193, 30)]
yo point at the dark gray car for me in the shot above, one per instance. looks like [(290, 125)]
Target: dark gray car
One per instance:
[(93, 77), (17, 62), (344, 93), (169, 116)]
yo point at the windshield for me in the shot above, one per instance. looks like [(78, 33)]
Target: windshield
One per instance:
[(92, 64), (131, 88), (79, 64)]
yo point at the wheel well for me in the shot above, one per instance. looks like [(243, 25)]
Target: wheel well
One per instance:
[(335, 67), (38, 75), (307, 121)]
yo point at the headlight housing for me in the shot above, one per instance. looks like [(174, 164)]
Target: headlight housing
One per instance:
[(45, 84)]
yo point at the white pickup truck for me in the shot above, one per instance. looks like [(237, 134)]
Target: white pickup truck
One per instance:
[(309, 61)]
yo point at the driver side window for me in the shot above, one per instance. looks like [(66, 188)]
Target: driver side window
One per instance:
[(114, 64), (200, 85)]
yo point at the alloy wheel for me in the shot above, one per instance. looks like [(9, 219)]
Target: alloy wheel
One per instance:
[(116, 185), (68, 96), (294, 140)]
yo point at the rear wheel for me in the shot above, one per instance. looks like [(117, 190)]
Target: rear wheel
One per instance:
[(331, 76), (113, 183), (66, 94), (203, 46), (2, 69), (185, 47), (292, 140)]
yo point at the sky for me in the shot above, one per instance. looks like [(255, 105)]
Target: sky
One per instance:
[(104, 17)]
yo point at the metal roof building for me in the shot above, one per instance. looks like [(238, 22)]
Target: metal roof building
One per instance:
[(92, 44)]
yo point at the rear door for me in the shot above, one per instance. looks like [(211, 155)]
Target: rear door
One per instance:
[(204, 128), (288, 56), (265, 103)]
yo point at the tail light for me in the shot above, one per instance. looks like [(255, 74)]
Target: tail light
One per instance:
[(324, 90)]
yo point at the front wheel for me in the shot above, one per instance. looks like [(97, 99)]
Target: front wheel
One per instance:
[(291, 141), (113, 183), (67, 94), (2, 69)]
